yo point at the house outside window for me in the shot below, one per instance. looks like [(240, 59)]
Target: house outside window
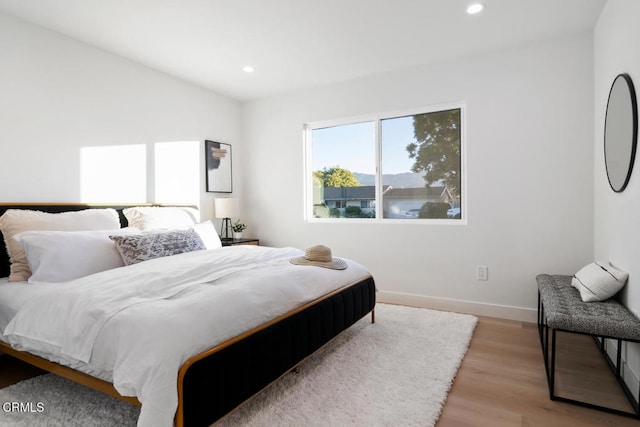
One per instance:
[(405, 166)]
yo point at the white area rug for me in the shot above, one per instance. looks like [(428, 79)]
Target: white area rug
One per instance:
[(397, 371), (53, 401)]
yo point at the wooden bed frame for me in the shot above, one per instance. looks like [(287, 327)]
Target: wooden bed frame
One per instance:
[(213, 383)]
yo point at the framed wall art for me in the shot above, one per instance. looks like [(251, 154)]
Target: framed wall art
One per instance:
[(218, 167)]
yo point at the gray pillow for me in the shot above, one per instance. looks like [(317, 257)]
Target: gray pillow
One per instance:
[(142, 247)]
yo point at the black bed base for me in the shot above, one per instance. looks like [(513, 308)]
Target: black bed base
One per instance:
[(215, 386)]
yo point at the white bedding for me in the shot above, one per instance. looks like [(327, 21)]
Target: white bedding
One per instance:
[(12, 296), (136, 325)]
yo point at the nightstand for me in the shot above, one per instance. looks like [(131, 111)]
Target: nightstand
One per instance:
[(236, 242)]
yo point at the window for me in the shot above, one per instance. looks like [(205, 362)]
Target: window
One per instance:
[(128, 174), (100, 184), (367, 204), (177, 172), (393, 167)]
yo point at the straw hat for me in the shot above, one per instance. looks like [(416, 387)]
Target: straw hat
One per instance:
[(320, 256)]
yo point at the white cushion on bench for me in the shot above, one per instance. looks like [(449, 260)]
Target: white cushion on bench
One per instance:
[(599, 281)]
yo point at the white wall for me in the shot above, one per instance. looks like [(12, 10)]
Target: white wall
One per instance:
[(59, 95), (529, 177), (617, 229)]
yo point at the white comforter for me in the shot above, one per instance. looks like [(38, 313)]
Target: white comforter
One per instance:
[(142, 322)]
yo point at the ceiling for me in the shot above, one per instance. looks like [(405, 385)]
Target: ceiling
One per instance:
[(295, 44)]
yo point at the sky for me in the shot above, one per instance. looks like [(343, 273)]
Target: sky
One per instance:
[(353, 146)]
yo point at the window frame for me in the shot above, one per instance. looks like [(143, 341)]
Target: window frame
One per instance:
[(377, 118)]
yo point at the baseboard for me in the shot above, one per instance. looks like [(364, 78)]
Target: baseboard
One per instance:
[(460, 306)]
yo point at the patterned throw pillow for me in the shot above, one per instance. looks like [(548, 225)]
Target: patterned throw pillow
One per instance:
[(143, 247)]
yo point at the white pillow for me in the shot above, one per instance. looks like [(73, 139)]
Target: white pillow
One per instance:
[(208, 235), (15, 221), (161, 217), (599, 281), (60, 256)]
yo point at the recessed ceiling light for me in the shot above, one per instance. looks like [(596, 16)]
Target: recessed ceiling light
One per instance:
[(248, 69), (475, 8)]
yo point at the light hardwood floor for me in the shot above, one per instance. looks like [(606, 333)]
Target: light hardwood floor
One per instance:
[(501, 381)]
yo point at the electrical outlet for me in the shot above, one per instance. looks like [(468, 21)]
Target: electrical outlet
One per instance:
[(482, 272)]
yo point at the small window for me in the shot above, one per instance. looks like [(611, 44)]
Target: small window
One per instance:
[(177, 176), (396, 167), (99, 183)]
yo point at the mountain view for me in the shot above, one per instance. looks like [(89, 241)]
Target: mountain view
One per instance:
[(398, 180)]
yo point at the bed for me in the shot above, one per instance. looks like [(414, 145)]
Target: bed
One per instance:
[(218, 376)]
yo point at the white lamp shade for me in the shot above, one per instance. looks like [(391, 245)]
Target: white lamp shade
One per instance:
[(227, 207)]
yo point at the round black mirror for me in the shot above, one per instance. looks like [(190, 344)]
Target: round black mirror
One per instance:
[(620, 132)]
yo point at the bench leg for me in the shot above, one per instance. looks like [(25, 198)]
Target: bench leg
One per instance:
[(550, 368), (552, 373), (618, 360), (543, 332)]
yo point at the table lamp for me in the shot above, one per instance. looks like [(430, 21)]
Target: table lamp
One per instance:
[(226, 208)]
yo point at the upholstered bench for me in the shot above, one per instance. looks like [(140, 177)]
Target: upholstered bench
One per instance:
[(560, 308)]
